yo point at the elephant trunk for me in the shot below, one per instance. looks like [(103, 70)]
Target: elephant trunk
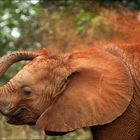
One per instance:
[(5, 62)]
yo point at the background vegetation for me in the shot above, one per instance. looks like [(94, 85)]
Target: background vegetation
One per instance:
[(61, 26)]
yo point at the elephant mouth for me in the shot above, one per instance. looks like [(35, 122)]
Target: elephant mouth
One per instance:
[(18, 112), (14, 112), (14, 117), (21, 116)]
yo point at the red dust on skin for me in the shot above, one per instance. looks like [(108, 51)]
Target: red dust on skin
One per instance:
[(43, 51), (126, 26), (123, 26)]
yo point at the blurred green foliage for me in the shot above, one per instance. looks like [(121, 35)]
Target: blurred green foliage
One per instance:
[(56, 25), (20, 20), (16, 27), (82, 19)]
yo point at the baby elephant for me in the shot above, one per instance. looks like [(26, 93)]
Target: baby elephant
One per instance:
[(97, 88)]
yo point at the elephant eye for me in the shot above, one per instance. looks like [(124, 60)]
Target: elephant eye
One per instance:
[(26, 91)]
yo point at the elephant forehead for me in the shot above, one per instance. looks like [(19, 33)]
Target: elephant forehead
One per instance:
[(35, 66), (34, 70), (24, 76), (41, 62)]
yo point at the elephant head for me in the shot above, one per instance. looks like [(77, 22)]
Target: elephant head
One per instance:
[(66, 92), (9, 93)]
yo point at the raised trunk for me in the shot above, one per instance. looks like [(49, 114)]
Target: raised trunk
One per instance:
[(7, 60)]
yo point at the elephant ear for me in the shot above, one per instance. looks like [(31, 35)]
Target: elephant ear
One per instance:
[(100, 90)]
